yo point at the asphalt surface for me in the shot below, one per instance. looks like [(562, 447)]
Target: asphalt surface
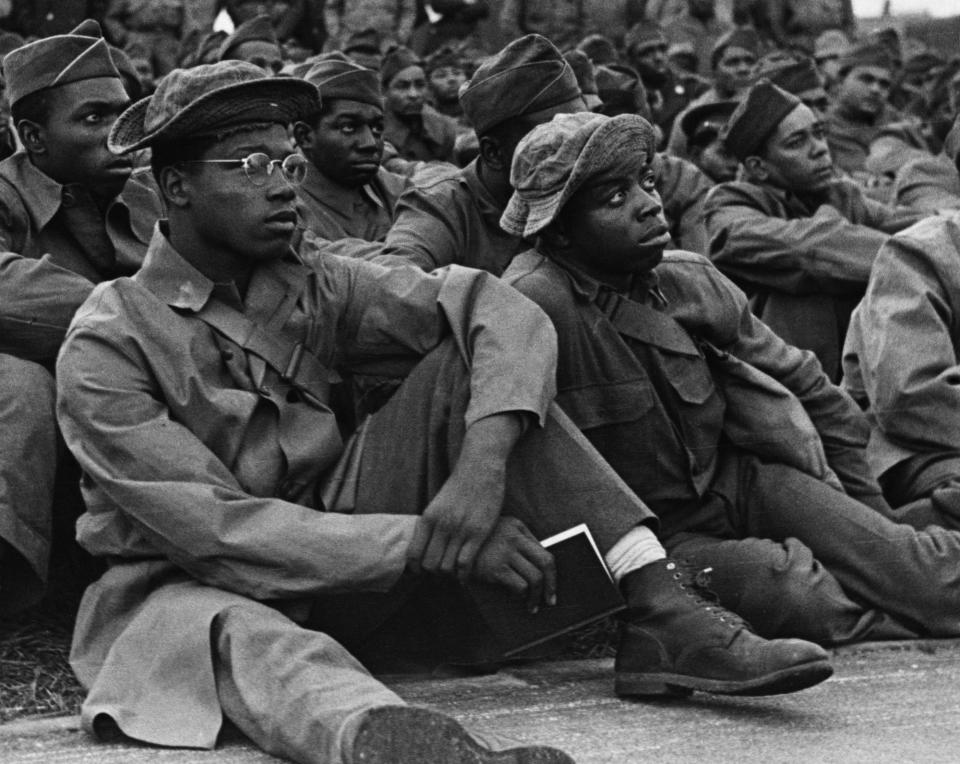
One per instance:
[(893, 702)]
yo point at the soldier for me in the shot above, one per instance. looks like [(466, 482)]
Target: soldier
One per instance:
[(254, 41)]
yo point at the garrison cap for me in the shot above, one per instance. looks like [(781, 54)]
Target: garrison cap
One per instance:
[(742, 37), (867, 54), (622, 91), (643, 35), (258, 28), (559, 157), (58, 60), (756, 117), (338, 77), (796, 77), (526, 76), (446, 55), (586, 77), (208, 99), (712, 115), (395, 61)]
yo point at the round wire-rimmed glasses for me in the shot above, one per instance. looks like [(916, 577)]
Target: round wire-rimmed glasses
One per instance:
[(258, 167)]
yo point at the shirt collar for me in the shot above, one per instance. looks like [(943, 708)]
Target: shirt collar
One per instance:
[(339, 198), (41, 194), (646, 286), (170, 277)]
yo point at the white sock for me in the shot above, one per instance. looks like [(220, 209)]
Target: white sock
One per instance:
[(637, 548)]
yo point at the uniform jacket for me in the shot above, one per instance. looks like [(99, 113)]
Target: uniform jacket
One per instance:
[(205, 479), (804, 263), (433, 140), (54, 247), (683, 189), (929, 184), (902, 356), (850, 141), (453, 219), (334, 212), (615, 379)]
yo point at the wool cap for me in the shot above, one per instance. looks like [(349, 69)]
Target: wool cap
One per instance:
[(395, 61), (340, 78), (831, 43), (586, 77), (526, 76), (557, 158), (205, 100), (58, 60), (796, 77), (866, 54), (643, 35), (258, 28), (741, 37), (707, 116), (756, 117), (622, 91)]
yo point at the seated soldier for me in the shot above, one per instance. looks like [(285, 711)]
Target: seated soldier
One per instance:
[(901, 364), (456, 218), (246, 542), (69, 218), (701, 128), (256, 42), (796, 238), (446, 73), (752, 460), (416, 130), (346, 192)]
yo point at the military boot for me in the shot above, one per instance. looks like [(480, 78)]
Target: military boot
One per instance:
[(675, 640)]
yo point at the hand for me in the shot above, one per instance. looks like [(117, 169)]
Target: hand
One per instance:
[(513, 558), (458, 520)]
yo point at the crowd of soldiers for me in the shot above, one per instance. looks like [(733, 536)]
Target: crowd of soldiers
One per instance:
[(302, 337)]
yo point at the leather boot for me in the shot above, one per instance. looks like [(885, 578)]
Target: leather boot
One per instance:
[(674, 640), (403, 735)]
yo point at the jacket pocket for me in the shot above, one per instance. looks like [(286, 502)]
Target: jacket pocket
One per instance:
[(689, 377), (597, 405)]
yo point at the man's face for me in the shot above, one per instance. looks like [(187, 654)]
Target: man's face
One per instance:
[(75, 135), (816, 100), (864, 90), (260, 53), (346, 143), (653, 57), (407, 91), (735, 69), (445, 82), (714, 160), (797, 158), (615, 224), (829, 66), (230, 214)]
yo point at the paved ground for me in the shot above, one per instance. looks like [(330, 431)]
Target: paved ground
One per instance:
[(894, 702)]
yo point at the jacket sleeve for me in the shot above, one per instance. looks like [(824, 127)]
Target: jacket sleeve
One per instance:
[(821, 254), (928, 185), (156, 480), (426, 231), (908, 332)]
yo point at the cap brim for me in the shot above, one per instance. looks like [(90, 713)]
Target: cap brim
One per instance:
[(274, 99)]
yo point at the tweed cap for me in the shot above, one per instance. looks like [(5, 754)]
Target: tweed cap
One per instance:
[(526, 76), (586, 77), (58, 60), (258, 28), (742, 37), (796, 77), (707, 116), (205, 100), (395, 61), (867, 54), (557, 158), (340, 78), (643, 35), (756, 117)]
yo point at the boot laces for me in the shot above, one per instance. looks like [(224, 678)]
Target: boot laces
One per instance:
[(695, 582)]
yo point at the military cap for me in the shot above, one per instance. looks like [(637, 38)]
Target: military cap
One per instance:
[(9, 41), (128, 72), (756, 117), (395, 61), (889, 38), (341, 78), (446, 55), (831, 43), (712, 115), (622, 91), (526, 76), (866, 54), (557, 158), (742, 37), (363, 41), (59, 60), (258, 28), (643, 35), (599, 49), (209, 99), (922, 62), (796, 77), (586, 79)]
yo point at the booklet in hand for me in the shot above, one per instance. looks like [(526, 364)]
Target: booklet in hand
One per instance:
[(585, 593)]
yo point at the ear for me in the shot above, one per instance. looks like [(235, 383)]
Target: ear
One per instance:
[(33, 136), (555, 237), (756, 168), (303, 135), (175, 185), (493, 155)]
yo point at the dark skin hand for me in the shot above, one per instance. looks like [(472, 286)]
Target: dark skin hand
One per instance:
[(462, 533)]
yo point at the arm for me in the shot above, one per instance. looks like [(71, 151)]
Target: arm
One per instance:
[(847, 195), (928, 185), (823, 253)]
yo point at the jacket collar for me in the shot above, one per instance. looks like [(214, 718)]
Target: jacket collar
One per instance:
[(645, 288), (170, 277), (41, 194), (338, 198)]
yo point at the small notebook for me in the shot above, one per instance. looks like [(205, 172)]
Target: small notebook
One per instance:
[(585, 593)]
